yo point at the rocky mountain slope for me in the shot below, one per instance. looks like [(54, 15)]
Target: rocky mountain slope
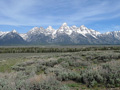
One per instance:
[(63, 35)]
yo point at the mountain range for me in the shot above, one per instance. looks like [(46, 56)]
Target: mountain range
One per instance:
[(65, 35)]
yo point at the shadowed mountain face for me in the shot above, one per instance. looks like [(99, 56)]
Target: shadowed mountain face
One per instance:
[(65, 35), (12, 38)]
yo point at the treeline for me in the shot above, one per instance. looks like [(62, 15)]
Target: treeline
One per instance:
[(52, 49)]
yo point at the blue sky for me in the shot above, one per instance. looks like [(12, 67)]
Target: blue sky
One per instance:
[(22, 15)]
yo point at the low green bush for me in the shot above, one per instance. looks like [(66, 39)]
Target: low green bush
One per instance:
[(107, 74)]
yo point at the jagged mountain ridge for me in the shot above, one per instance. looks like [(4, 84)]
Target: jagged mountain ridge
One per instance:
[(63, 35)]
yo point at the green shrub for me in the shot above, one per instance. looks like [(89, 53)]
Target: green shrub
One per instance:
[(106, 74)]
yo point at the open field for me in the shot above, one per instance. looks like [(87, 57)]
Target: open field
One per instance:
[(60, 68)]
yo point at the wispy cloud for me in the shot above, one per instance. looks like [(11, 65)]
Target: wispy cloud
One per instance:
[(50, 12)]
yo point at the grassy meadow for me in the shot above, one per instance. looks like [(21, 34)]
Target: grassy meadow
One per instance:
[(60, 68)]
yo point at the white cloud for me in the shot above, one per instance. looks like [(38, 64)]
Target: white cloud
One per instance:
[(44, 12)]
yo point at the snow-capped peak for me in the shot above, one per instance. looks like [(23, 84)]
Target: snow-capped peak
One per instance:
[(82, 27), (64, 24), (50, 31), (36, 30), (84, 31), (64, 29), (112, 32), (14, 31), (50, 28), (41, 28), (72, 34), (116, 34), (74, 28), (88, 31)]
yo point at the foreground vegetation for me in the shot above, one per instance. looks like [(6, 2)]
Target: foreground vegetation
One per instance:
[(81, 68)]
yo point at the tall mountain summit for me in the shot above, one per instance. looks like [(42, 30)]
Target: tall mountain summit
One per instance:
[(64, 35)]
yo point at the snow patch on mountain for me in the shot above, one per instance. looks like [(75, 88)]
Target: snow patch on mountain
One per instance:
[(64, 29), (2, 34), (72, 32), (116, 34), (24, 36), (49, 31)]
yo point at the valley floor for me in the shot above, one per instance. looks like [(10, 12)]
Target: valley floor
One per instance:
[(88, 69)]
